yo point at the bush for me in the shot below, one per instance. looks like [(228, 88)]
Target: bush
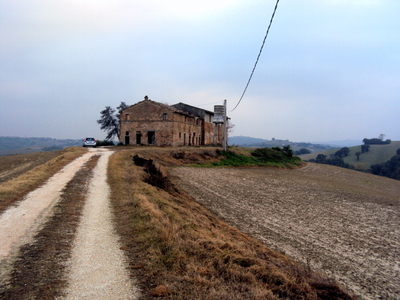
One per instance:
[(302, 151), (275, 156), (343, 152), (336, 161), (105, 143)]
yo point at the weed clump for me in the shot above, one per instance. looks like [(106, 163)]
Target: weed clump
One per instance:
[(154, 174)]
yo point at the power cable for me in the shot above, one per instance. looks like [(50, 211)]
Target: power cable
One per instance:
[(259, 54)]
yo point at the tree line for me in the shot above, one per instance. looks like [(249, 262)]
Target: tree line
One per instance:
[(390, 169), (376, 141)]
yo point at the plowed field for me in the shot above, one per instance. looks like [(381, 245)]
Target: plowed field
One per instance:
[(342, 222)]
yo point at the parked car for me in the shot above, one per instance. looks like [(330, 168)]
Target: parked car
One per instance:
[(89, 142)]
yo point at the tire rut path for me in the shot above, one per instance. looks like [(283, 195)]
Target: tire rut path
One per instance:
[(98, 269), (65, 246)]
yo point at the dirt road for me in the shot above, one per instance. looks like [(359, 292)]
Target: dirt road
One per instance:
[(97, 267), (317, 215)]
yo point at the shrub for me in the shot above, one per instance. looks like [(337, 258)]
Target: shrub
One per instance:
[(276, 154), (104, 143), (276, 157), (302, 151)]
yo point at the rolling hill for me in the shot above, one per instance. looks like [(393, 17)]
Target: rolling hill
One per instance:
[(18, 145), (376, 154)]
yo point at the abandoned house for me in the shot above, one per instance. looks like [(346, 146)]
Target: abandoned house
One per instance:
[(152, 123)]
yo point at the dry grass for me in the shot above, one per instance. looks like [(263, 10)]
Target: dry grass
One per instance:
[(179, 250), (14, 189)]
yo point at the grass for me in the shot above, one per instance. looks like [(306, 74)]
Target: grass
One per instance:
[(14, 189), (179, 250)]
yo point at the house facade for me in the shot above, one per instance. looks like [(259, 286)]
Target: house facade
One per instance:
[(152, 123)]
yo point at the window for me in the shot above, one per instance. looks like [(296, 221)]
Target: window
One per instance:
[(127, 117), (164, 116)]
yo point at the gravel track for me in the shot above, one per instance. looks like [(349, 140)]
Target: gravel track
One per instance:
[(97, 269), (19, 223), (97, 265), (342, 222)]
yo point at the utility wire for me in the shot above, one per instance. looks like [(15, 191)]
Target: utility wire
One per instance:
[(259, 54)]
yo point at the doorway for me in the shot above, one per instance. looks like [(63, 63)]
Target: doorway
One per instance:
[(138, 137), (151, 137)]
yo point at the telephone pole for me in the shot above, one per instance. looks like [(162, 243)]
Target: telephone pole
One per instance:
[(225, 135)]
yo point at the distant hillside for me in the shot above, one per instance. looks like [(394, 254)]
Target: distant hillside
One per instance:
[(341, 143), (245, 141), (18, 145), (376, 154)]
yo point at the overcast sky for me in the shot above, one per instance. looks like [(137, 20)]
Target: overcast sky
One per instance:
[(330, 69)]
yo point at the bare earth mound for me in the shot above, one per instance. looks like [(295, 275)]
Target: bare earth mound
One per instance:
[(342, 222)]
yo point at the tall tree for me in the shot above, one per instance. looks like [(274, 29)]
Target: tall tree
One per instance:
[(120, 108), (109, 120), (358, 153)]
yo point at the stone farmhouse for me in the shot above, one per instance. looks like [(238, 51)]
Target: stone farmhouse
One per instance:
[(152, 123)]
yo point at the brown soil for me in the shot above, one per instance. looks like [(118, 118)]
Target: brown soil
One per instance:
[(344, 223)]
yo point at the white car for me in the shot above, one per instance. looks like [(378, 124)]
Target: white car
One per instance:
[(89, 142)]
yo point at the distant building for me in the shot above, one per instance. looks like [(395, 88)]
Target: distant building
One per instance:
[(152, 123)]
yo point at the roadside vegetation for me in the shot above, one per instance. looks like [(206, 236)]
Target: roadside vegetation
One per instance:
[(179, 250), (16, 185), (263, 157)]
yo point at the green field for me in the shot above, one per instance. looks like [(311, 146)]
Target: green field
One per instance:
[(377, 154)]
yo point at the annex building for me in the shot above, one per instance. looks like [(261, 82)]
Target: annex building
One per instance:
[(152, 123)]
